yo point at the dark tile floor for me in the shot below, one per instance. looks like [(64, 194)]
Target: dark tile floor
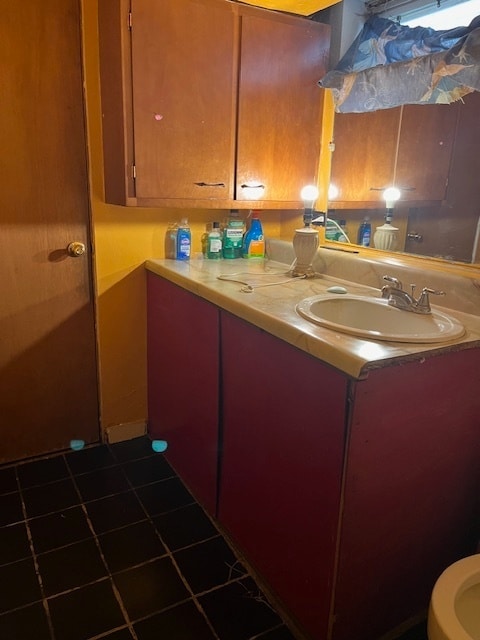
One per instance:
[(106, 542)]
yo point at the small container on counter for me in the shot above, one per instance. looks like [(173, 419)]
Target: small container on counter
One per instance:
[(214, 242), (254, 241), (184, 241), (233, 236)]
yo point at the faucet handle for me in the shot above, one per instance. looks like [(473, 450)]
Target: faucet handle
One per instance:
[(424, 300), (434, 292), (394, 281)]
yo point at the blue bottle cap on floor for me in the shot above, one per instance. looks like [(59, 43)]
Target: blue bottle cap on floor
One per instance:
[(159, 446), (76, 445)]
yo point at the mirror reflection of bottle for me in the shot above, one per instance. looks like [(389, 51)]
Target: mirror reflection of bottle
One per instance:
[(364, 233)]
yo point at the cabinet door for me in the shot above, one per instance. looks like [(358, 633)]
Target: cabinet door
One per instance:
[(424, 151), (364, 158), (280, 103), (183, 98), (283, 436), (409, 147), (202, 97), (183, 384), (410, 505)]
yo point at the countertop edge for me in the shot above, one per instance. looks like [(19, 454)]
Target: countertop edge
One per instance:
[(326, 345)]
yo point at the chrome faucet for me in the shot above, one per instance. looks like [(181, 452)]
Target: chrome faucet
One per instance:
[(401, 299)]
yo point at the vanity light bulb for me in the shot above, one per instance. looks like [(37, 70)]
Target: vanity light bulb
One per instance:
[(309, 194), (391, 195)]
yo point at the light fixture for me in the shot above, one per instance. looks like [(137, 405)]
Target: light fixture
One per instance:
[(309, 194), (390, 195), (386, 236), (305, 240)]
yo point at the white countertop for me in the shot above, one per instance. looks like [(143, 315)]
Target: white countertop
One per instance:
[(272, 308)]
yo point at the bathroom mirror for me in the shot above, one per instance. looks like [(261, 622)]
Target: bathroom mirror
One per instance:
[(431, 153)]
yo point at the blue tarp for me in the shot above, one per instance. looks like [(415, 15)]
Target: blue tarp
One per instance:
[(388, 65)]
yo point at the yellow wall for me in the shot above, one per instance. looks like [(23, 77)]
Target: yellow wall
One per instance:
[(124, 238), (301, 7)]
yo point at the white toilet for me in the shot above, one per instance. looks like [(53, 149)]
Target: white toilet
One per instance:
[(454, 612)]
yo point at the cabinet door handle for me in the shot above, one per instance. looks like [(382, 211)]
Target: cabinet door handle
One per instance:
[(209, 184), (253, 190), (253, 186), (401, 188), (415, 236)]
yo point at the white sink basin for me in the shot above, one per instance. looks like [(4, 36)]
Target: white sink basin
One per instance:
[(375, 319)]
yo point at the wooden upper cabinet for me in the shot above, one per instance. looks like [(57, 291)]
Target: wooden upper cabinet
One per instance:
[(279, 103), (425, 151), (364, 157), (203, 97), (409, 147), (183, 112)]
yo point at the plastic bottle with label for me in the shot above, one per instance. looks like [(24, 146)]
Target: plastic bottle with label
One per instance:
[(171, 241), (364, 233), (184, 240), (204, 238), (254, 241), (233, 236), (214, 242)]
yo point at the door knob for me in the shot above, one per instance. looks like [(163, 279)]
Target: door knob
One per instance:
[(76, 249)]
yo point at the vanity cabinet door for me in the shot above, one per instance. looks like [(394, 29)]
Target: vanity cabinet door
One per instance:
[(183, 383), (410, 506), (283, 439), (279, 103)]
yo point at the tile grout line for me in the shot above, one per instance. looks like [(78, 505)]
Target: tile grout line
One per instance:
[(194, 597), (97, 543), (172, 559), (34, 557)]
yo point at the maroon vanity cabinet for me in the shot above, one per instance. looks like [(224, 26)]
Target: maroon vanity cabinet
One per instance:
[(411, 499), (347, 497), (183, 360), (282, 458)]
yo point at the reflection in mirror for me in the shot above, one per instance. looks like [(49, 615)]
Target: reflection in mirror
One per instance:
[(430, 153)]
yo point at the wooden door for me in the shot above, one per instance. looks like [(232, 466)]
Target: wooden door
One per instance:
[(48, 385), (183, 98), (280, 104)]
